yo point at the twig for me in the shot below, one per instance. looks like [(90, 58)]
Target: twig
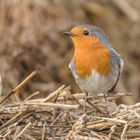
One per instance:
[(56, 97), (29, 137), (99, 125), (18, 129), (59, 126), (25, 81), (75, 100), (32, 95), (10, 121), (97, 108), (9, 132), (19, 86), (114, 120), (57, 118), (79, 124), (111, 96), (43, 133), (52, 94), (112, 130), (55, 105), (123, 132), (17, 98), (23, 130)]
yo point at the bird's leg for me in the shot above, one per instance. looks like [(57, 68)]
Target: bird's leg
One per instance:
[(105, 98), (107, 112), (86, 95)]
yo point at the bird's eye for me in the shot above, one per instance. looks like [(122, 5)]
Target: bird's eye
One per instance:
[(86, 33)]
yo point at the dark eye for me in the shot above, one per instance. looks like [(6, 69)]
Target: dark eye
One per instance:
[(86, 33)]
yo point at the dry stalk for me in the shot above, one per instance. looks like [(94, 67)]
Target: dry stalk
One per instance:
[(52, 95), (109, 97), (29, 137), (31, 96), (10, 121), (57, 118), (97, 108), (112, 120), (23, 130), (19, 86), (43, 133), (8, 133), (100, 125), (63, 106), (124, 131), (76, 127), (112, 130)]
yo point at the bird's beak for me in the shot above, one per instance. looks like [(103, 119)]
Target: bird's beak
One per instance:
[(69, 34)]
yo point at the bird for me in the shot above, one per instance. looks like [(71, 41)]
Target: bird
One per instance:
[(95, 65)]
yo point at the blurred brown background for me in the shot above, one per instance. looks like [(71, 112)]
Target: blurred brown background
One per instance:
[(31, 38)]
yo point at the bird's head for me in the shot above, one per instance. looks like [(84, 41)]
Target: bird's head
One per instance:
[(87, 37)]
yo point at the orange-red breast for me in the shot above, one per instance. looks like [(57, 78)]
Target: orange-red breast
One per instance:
[(96, 65)]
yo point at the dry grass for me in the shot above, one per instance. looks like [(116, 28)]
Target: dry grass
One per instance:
[(31, 38), (60, 116)]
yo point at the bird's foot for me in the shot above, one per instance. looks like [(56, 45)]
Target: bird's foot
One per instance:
[(107, 106)]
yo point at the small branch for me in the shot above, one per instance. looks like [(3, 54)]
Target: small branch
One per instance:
[(23, 130), (19, 86), (55, 105), (9, 132), (113, 120), (43, 133), (25, 81), (99, 125), (52, 95), (17, 98), (97, 108), (10, 121), (32, 95), (29, 137), (123, 132), (112, 130), (82, 96), (76, 100), (57, 118)]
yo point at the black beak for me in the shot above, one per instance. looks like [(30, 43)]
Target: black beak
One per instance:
[(68, 34)]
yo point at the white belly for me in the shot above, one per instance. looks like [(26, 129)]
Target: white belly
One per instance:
[(96, 83)]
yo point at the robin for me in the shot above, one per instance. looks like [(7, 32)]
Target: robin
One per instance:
[(96, 65)]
